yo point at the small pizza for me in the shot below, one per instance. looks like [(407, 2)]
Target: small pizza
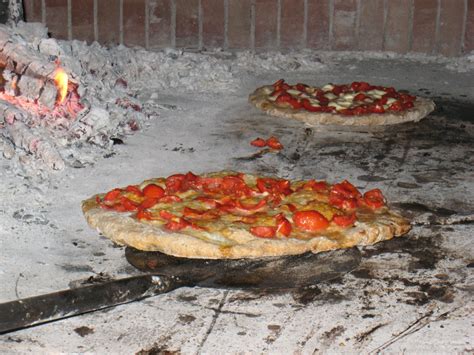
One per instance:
[(356, 104), (236, 215)]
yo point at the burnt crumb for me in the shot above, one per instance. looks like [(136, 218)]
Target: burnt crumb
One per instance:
[(109, 155), (312, 294), (91, 280), (306, 295), (368, 315), (470, 264), (14, 340), (186, 318), (116, 141), (417, 298), (407, 185), (84, 331), (274, 327), (371, 178), (158, 350), (77, 268), (241, 333), (333, 333)]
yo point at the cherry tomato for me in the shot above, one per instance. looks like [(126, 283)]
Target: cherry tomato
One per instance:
[(345, 189), (134, 189), (346, 203), (127, 204), (141, 214), (263, 231), (374, 198), (153, 191), (177, 225), (174, 183), (112, 195), (258, 142), (283, 225), (310, 221), (344, 220), (148, 202)]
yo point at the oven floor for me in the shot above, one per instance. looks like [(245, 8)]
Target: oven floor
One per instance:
[(413, 294)]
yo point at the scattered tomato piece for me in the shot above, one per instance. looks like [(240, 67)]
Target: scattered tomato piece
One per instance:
[(258, 142), (112, 195), (374, 198), (344, 220), (153, 191)]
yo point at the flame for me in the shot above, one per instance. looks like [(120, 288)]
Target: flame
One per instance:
[(61, 81)]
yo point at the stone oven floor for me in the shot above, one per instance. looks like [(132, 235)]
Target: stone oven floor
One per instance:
[(413, 294)]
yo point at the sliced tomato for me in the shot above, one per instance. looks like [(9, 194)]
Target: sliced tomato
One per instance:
[(283, 225), (167, 215), (315, 185), (274, 186), (127, 204), (291, 207), (235, 185), (198, 214), (141, 214), (310, 221), (284, 98), (374, 198), (258, 142), (170, 199), (134, 189), (174, 183), (346, 203), (260, 205), (295, 103), (148, 202), (360, 97), (209, 202), (396, 106), (308, 107), (177, 224), (360, 110), (112, 195), (345, 189), (344, 220), (376, 108), (361, 86), (274, 143), (263, 231), (300, 87), (153, 191), (407, 105)]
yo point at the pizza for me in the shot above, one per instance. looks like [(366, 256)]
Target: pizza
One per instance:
[(355, 104), (230, 215)]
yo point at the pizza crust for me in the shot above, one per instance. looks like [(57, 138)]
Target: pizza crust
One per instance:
[(422, 108), (123, 229)]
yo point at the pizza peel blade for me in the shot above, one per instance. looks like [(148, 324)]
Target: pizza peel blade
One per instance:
[(165, 273)]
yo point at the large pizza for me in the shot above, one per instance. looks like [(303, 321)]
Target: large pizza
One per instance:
[(238, 215), (355, 104)]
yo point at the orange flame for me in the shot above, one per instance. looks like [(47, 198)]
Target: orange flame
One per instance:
[(61, 81)]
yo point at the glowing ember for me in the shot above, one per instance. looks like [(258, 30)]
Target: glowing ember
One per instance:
[(61, 81)]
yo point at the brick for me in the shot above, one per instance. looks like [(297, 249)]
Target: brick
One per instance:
[(239, 23), (424, 25), (134, 22), (318, 24), (450, 27), (82, 20), (397, 26), (56, 18), (266, 18), (469, 36), (371, 20), (159, 27), (292, 24), (213, 19), (187, 25), (108, 21), (32, 10), (344, 25)]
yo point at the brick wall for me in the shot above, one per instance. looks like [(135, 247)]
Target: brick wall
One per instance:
[(443, 27)]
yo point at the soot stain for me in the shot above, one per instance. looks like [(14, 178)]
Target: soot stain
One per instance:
[(84, 331), (158, 349), (307, 295), (425, 250), (186, 318), (413, 209), (76, 268)]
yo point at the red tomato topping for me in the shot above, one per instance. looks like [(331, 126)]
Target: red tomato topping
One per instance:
[(315, 185), (308, 107), (169, 199), (377, 108), (153, 191), (167, 215), (310, 221), (148, 202), (274, 186), (396, 106), (361, 86), (197, 214), (344, 220), (258, 142), (134, 189), (283, 225), (258, 206), (112, 195), (174, 183), (177, 225), (274, 143), (127, 204), (210, 202), (141, 214), (360, 97), (345, 189), (263, 231), (374, 198), (346, 203)]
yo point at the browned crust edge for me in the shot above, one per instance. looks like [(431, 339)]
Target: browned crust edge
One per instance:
[(423, 107), (125, 230)]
